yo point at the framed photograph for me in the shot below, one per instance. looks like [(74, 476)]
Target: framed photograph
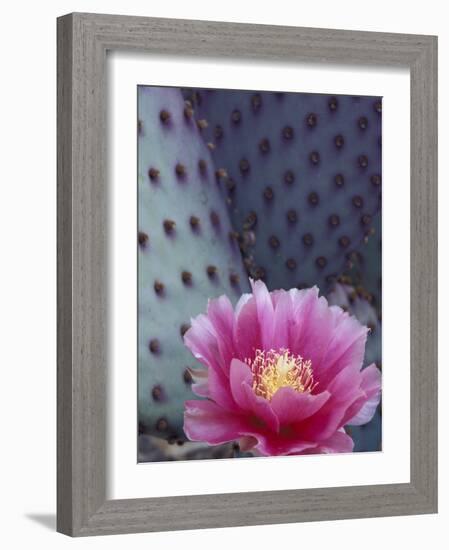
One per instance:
[(247, 279)]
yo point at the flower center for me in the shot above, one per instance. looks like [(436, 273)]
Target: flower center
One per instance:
[(279, 369)]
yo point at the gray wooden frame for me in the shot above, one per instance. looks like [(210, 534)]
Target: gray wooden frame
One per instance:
[(83, 40)]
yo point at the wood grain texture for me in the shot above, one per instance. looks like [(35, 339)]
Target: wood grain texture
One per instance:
[(64, 275), (83, 40)]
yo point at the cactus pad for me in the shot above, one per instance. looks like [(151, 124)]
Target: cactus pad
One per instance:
[(302, 177), (185, 254)]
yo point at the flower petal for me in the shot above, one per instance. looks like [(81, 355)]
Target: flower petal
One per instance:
[(264, 417), (199, 386), (282, 321), (265, 313), (246, 331), (317, 324), (244, 298), (344, 390), (347, 346), (202, 342), (291, 407), (339, 442), (279, 447), (302, 303), (240, 373), (206, 421), (219, 390), (261, 413), (247, 442), (201, 389), (371, 385), (221, 315)]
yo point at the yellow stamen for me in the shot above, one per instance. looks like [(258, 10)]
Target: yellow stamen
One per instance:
[(279, 369)]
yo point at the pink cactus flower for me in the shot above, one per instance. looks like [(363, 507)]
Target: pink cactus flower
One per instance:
[(283, 374)]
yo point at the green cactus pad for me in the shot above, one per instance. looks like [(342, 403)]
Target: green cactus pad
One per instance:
[(185, 253)]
